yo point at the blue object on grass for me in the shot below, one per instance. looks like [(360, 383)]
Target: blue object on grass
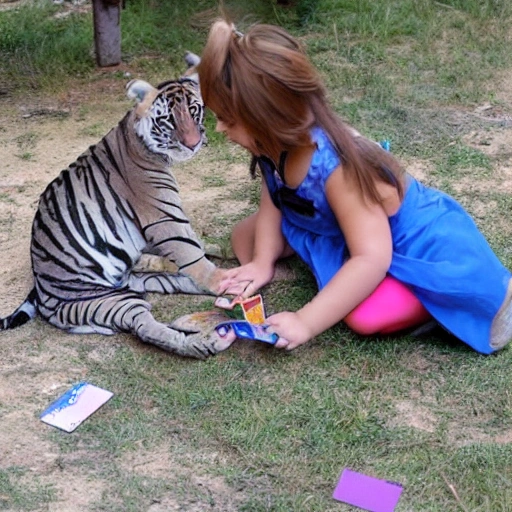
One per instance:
[(248, 331), (385, 144)]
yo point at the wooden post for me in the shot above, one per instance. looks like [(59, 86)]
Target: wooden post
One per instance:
[(107, 31)]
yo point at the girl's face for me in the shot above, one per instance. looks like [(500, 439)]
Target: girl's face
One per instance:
[(237, 133)]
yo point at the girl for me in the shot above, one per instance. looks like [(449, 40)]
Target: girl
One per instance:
[(387, 252)]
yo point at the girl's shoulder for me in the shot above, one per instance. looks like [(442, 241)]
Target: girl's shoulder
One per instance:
[(325, 158), (320, 138)]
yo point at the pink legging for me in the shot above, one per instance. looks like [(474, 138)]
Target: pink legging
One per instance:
[(391, 307)]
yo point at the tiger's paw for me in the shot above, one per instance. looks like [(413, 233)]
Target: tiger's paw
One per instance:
[(201, 338)]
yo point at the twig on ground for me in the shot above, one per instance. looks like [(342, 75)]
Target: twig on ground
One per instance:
[(454, 492)]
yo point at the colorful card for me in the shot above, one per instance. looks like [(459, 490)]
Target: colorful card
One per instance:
[(248, 331), (251, 309), (74, 406), (367, 492)]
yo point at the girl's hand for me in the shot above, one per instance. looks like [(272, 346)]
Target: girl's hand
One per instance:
[(245, 280), (291, 329)]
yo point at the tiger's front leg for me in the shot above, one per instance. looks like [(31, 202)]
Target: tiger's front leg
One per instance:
[(129, 312), (185, 250), (166, 283), (148, 263), (184, 343)]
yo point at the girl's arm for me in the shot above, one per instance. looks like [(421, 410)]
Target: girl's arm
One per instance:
[(269, 245), (366, 230), (269, 242)]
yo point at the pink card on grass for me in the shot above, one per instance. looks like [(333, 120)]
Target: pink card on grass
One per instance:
[(367, 492), (75, 405)]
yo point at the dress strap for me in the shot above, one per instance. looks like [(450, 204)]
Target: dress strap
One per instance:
[(280, 167)]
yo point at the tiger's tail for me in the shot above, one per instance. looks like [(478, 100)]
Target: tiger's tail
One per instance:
[(23, 313)]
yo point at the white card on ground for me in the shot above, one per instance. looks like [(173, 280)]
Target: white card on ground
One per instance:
[(74, 406)]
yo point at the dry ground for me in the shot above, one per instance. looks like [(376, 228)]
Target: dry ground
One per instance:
[(38, 138)]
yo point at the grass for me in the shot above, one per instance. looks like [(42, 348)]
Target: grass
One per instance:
[(20, 493), (278, 428)]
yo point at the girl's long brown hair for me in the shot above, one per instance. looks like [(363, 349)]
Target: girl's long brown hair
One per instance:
[(264, 80)]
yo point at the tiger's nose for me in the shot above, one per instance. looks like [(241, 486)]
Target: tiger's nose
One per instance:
[(188, 133), (192, 138)]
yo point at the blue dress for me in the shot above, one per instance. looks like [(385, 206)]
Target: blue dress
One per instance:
[(438, 250)]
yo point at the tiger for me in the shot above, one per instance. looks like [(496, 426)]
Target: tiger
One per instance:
[(118, 201)]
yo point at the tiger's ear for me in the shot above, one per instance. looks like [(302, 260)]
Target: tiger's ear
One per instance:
[(192, 61), (138, 90), (143, 93)]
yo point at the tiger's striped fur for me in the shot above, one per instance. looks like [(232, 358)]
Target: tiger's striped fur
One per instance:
[(117, 201)]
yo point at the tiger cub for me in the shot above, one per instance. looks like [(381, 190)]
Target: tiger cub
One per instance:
[(117, 201)]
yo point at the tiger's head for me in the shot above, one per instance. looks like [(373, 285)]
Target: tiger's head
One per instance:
[(169, 118)]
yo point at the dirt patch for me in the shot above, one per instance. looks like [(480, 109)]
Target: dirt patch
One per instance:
[(209, 492)]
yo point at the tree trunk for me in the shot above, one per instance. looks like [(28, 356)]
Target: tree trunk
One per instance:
[(107, 31)]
